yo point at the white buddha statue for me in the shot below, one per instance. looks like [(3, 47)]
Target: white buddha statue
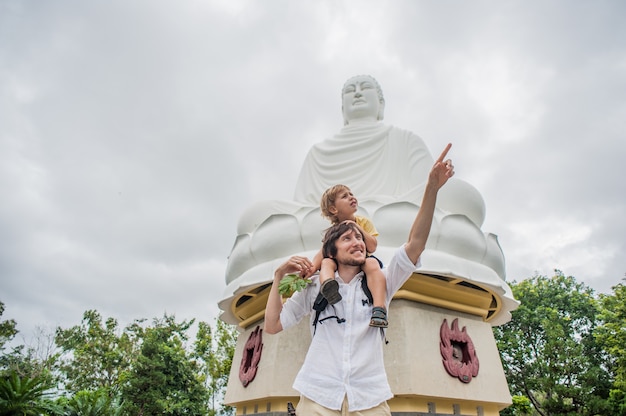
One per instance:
[(377, 161), (386, 168)]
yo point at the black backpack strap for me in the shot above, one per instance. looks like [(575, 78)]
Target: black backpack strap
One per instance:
[(370, 300), (321, 303), (366, 290), (318, 306)]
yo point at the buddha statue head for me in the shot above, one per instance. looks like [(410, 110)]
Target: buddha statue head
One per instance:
[(362, 100)]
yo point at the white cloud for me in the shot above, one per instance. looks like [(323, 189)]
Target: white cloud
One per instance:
[(132, 136)]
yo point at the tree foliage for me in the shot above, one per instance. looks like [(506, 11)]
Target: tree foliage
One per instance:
[(25, 396), (611, 334), (163, 379), (96, 355), (214, 349), (549, 351), (40, 359), (520, 407), (105, 370), (90, 403), (8, 329)]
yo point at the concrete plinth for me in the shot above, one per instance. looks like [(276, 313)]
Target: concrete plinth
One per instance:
[(413, 363)]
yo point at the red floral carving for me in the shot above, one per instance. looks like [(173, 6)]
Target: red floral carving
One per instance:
[(457, 350), (251, 357)]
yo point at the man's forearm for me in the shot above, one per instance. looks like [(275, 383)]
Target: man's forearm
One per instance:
[(273, 308), (438, 176), (422, 224)]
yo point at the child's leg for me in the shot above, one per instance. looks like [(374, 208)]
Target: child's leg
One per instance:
[(327, 270), (377, 283), (329, 287)]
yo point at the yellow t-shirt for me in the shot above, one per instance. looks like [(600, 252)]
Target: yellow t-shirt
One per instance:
[(367, 225)]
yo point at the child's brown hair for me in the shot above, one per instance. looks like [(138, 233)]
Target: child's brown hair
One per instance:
[(328, 200)]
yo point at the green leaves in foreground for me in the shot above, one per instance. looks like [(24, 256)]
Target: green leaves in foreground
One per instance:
[(292, 283), (24, 396)]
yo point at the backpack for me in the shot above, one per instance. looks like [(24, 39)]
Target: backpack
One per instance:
[(321, 303)]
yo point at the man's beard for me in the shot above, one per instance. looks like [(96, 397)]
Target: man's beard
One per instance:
[(351, 261)]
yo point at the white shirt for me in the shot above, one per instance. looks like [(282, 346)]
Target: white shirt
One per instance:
[(345, 358)]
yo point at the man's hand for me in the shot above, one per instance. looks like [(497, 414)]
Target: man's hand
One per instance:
[(442, 170), (296, 265)]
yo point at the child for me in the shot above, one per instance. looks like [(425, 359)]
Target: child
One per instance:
[(338, 204)]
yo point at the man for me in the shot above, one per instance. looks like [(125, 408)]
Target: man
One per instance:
[(343, 372)]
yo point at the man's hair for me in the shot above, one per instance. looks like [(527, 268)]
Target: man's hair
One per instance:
[(328, 200), (329, 246)]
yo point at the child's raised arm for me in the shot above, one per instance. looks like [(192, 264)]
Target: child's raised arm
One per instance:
[(371, 242), (317, 264)]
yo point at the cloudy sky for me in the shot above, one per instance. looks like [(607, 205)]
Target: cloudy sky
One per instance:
[(133, 134)]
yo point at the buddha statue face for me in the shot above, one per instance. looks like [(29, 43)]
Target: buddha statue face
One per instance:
[(362, 99)]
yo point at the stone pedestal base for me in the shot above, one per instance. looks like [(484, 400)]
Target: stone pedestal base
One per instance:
[(413, 361)]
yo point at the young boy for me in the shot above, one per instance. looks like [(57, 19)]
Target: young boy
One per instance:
[(338, 204)]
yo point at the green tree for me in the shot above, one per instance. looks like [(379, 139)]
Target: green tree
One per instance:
[(97, 355), (165, 380), (38, 359), (90, 403), (548, 349), (36, 362), (99, 364), (520, 407), (612, 335), (25, 396), (8, 329), (214, 348)]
